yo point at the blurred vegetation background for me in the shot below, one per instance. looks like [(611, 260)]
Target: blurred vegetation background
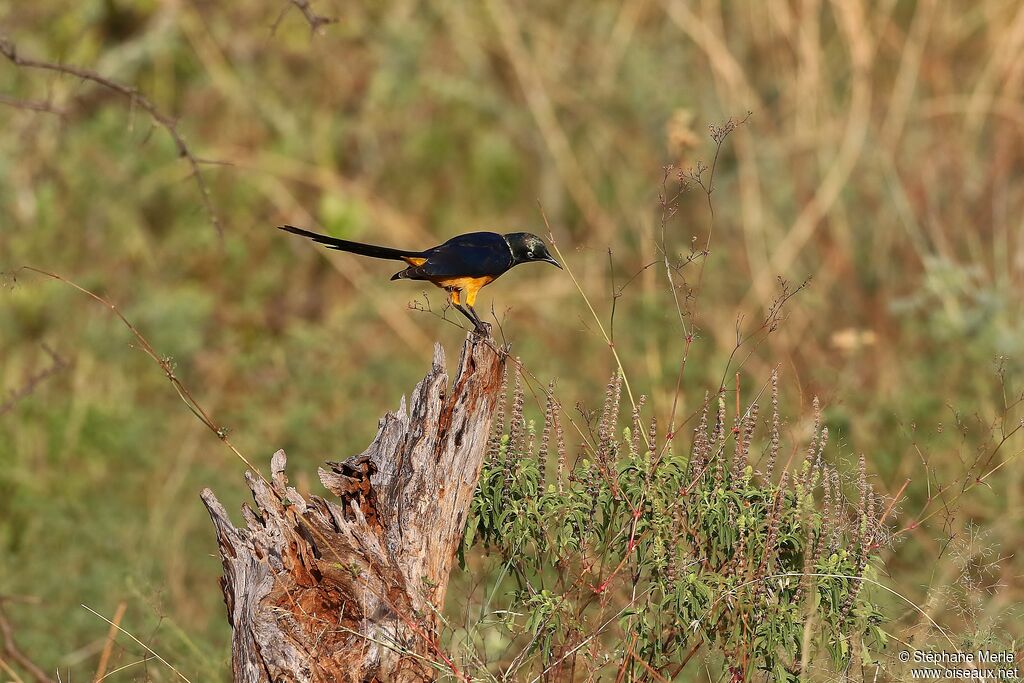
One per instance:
[(883, 157)]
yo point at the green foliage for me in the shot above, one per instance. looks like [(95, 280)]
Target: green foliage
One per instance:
[(409, 122), (653, 554)]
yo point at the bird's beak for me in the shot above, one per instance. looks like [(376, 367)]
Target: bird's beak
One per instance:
[(553, 262)]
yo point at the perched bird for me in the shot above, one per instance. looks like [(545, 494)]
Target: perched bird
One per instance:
[(460, 266)]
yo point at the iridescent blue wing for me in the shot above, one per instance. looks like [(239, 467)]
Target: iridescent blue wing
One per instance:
[(475, 254)]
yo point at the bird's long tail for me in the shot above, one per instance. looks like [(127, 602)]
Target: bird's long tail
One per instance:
[(371, 250)]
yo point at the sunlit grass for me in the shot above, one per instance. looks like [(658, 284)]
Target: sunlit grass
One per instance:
[(407, 124)]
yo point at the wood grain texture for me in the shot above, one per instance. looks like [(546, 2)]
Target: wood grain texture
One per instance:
[(323, 590)]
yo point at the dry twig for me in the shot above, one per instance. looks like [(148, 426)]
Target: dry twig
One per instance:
[(315, 21), (11, 649), (136, 99), (30, 385), (108, 648), (31, 105)]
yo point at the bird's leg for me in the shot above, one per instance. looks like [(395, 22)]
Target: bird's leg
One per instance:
[(481, 326), (455, 299), (461, 309)]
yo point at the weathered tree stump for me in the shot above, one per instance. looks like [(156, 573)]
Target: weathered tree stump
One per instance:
[(321, 591)]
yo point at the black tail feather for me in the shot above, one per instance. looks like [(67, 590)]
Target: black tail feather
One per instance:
[(353, 247)]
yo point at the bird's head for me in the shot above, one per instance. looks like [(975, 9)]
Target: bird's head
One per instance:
[(527, 247)]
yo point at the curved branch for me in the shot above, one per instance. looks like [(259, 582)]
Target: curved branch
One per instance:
[(135, 98)]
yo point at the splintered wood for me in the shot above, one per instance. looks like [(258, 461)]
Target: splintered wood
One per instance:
[(351, 589)]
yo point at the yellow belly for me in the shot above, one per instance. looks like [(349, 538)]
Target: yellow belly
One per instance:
[(467, 286)]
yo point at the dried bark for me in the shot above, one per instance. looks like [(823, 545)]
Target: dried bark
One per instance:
[(350, 590)]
